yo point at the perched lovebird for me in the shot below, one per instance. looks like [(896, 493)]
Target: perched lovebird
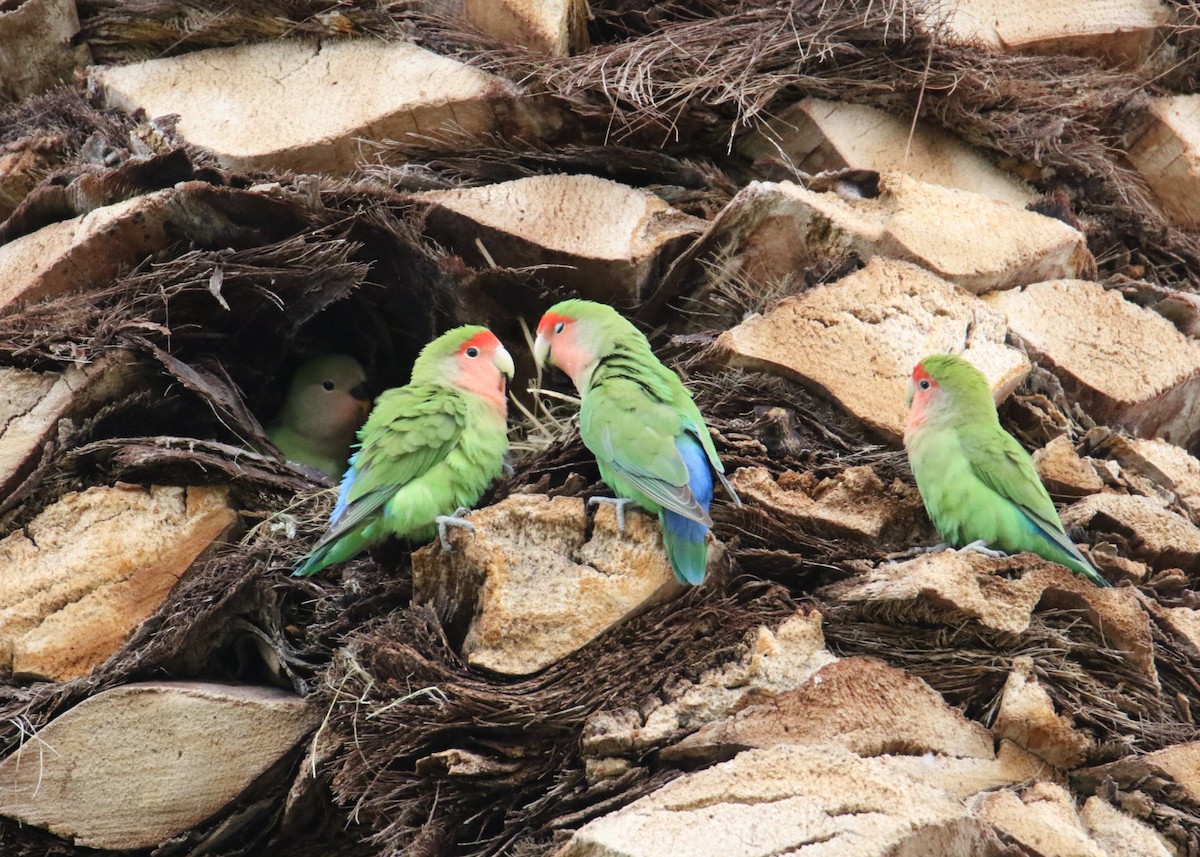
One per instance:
[(326, 403), (979, 485), (428, 449), (640, 422)]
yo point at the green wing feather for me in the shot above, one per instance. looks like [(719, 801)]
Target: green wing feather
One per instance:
[(410, 430), (1004, 466), (632, 431), (635, 436)]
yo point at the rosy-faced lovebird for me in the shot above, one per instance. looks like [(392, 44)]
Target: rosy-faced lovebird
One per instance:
[(640, 422), (326, 403), (427, 451), (979, 485)]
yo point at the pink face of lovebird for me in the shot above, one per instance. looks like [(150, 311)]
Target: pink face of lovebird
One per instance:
[(558, 343), (482, 365), (922, 394)]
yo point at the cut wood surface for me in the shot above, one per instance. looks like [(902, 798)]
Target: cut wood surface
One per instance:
[(1146, 380), (84, 251), (89, 569), (857, 703), (35, 406), (1181, 763), (301, 106), (1166, 465), (857, 340), (36, 46), (20, 171), (1120, 31), (1158, 536), (606, 239), (1043, 819), (1064, 472), (966, 238), (131, 767), (788, 799), (1167, 154), (557, 27), (854, 505), (966, 583), (771, 663), (90, 250), (795, 202), (1120, 834), (540, 586), (1028, 718), (815, 135)]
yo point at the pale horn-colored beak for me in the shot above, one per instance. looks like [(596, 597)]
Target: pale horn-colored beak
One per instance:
[(910, 390), (541, 351), (503, 361)]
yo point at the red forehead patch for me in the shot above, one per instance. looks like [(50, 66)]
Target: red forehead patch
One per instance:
[(919, 372), (483, 339), (549, 320)]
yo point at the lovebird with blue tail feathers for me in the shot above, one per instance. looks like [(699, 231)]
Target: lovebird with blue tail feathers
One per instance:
[(979, 485), (428, 450), (637, 418)]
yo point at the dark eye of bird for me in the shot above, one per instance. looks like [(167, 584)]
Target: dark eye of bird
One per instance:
[(328, 385), (558, 328), (472, 351), (924, 384)]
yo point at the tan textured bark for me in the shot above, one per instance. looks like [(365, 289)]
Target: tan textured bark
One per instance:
[(857, 340), (306, 107), (131, 767), (1146, 379), (92, 567), (816, 135), (534, 587)]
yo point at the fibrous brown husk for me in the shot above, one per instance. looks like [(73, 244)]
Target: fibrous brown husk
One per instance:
[(217, 329), (674, 83), (694, 75), (129, 32), (223, 324), (231, 619), (66, 117), (677, 180), (399, 693)]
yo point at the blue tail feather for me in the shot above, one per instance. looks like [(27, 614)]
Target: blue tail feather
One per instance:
[(344, 489), (685, 539), (1068, 554)]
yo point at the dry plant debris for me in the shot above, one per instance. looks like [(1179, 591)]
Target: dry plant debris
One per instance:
[(167, 257)]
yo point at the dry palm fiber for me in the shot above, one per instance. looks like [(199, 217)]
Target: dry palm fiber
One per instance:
[(120, 31), (1100, 689), (968, 663), (398, 694), (65, 114), (214, 328), (688, 77), (694, 75), (691, 77), (234, 618)]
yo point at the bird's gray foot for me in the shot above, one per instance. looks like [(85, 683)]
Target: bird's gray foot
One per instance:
[(980, 546), (914, 552), (455, 520), (619, 502)]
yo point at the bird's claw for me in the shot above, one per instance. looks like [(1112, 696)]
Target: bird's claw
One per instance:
[(938, 548), (455, 520), (618, 502), (980, 546)]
